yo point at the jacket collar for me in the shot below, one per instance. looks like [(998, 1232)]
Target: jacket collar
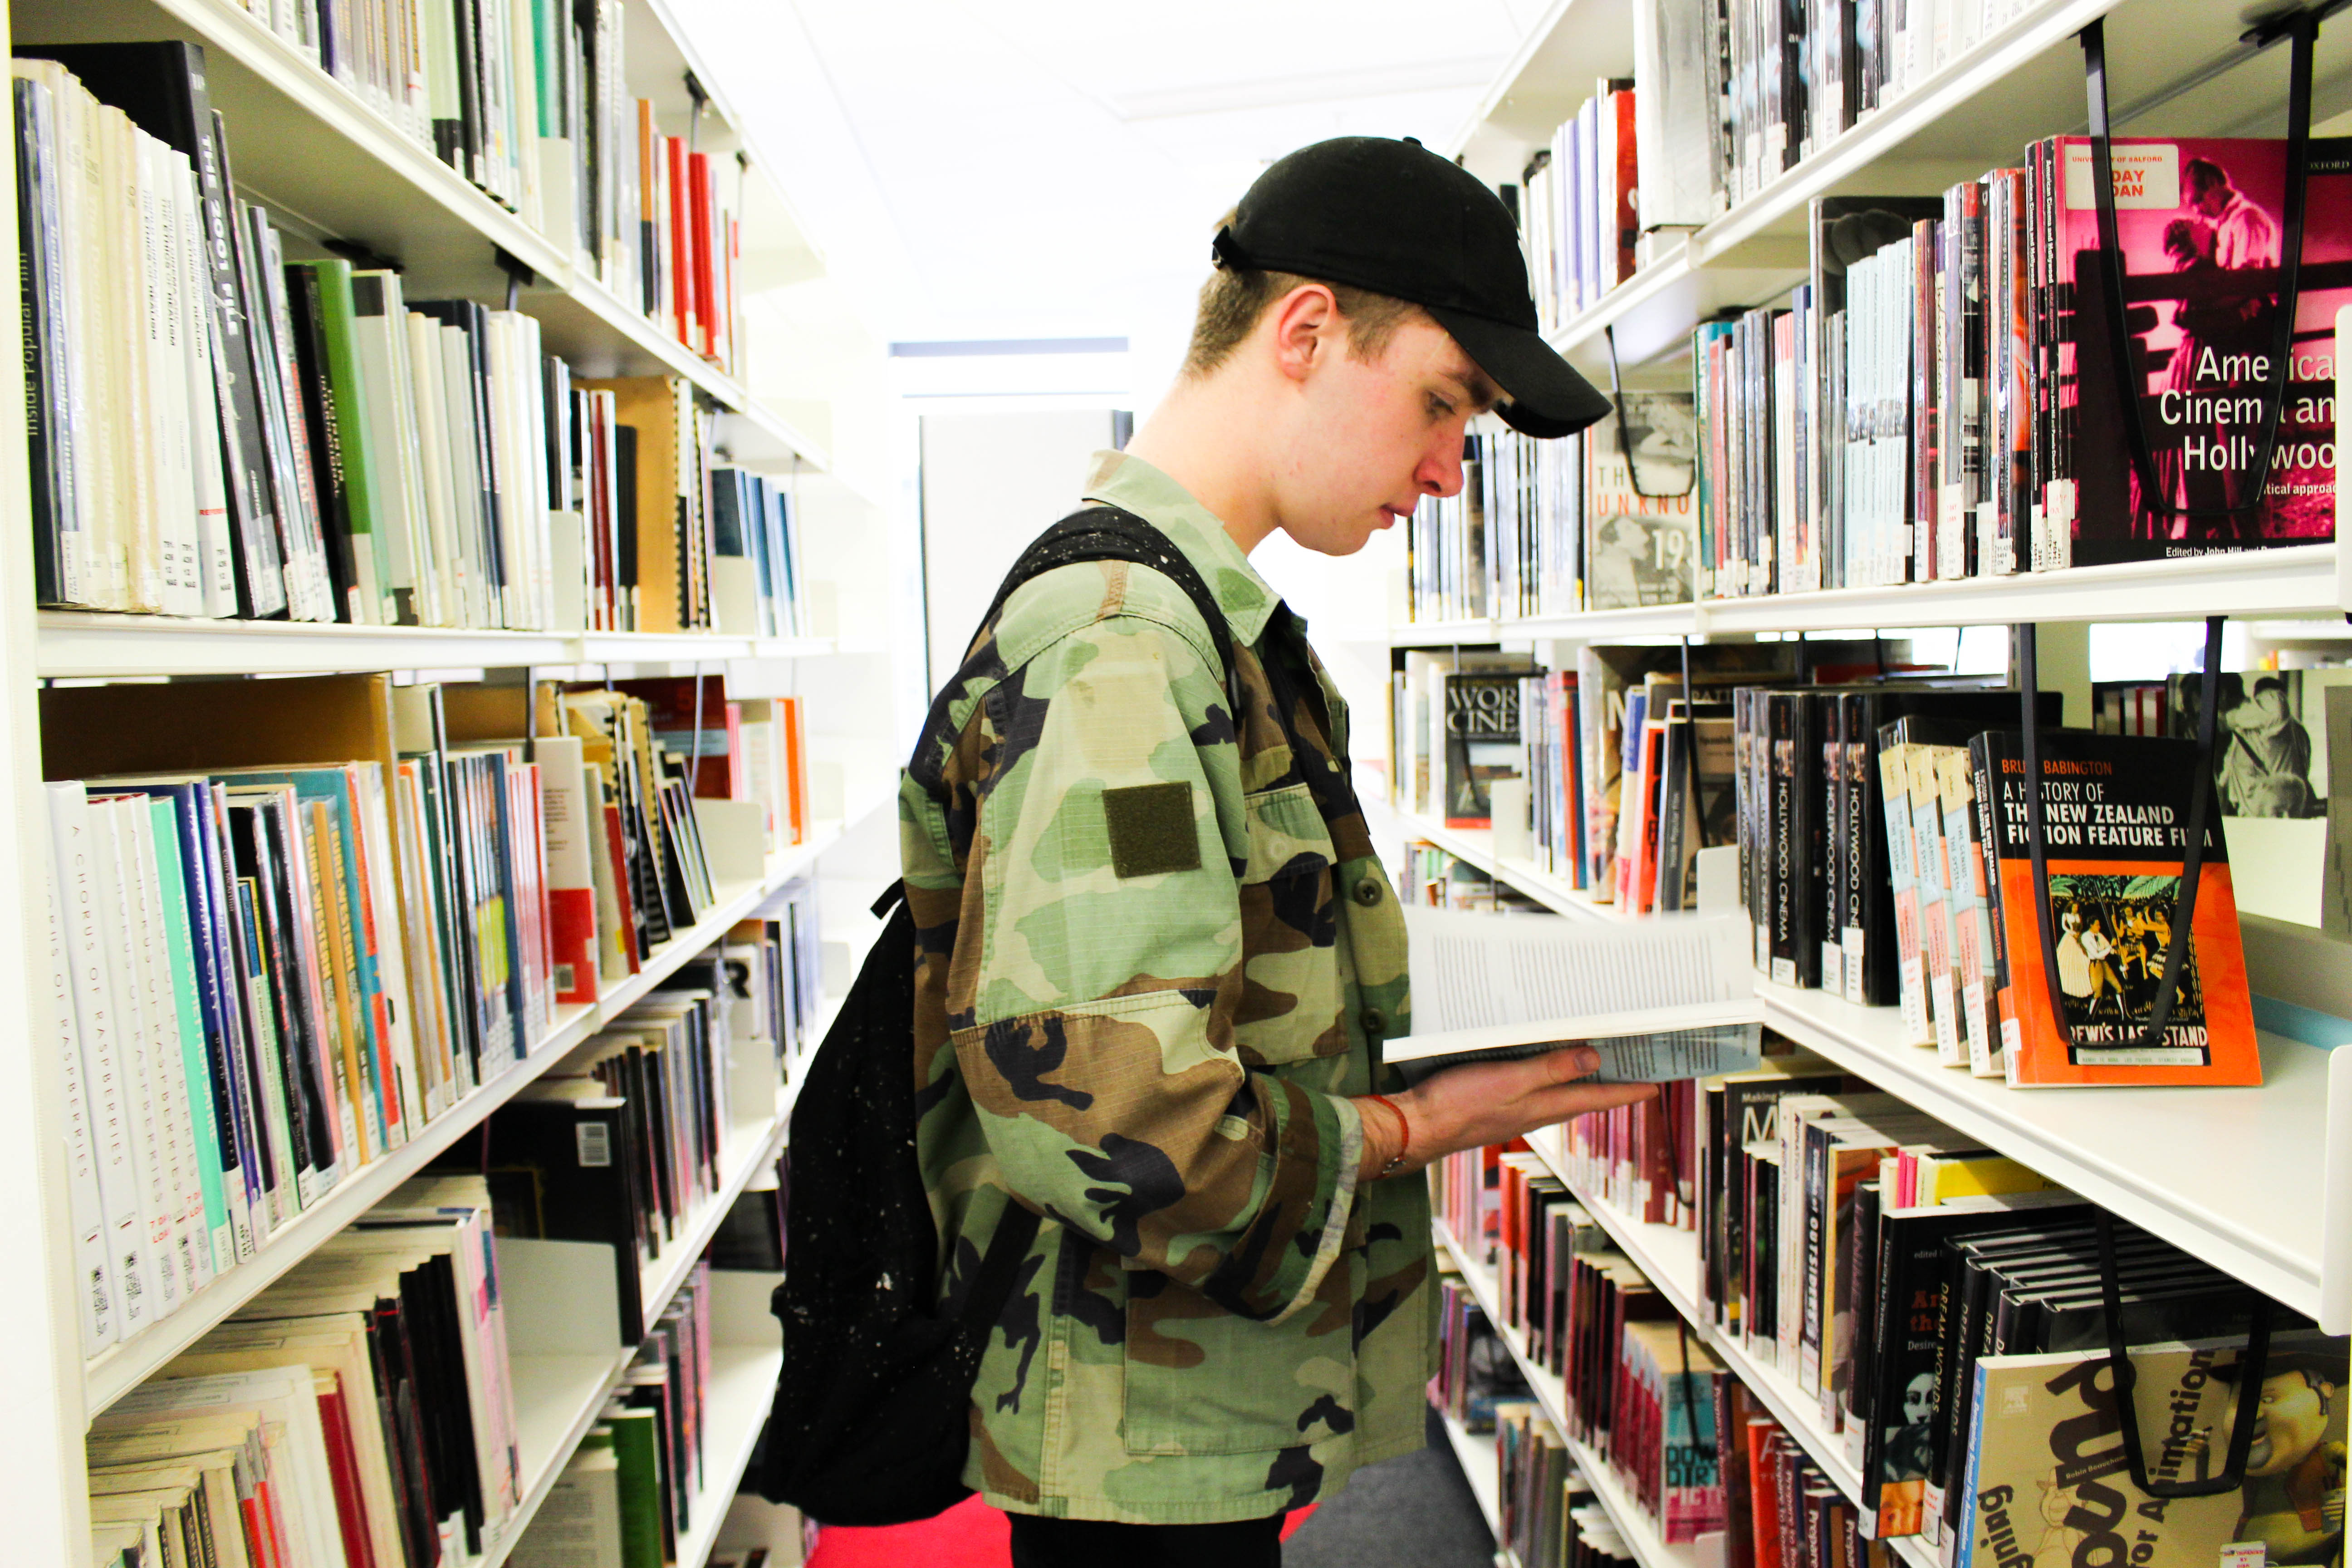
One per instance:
[(1248, 601)]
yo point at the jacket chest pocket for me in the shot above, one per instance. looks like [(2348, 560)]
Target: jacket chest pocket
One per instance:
[(1293, 989)]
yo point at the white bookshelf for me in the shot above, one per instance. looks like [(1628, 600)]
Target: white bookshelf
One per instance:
[(328, 164), (1640, 1532), (2293, 583), (1481, 1465), (2206, 1169)]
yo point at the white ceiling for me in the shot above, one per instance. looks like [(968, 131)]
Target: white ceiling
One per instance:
[(1048, 168)]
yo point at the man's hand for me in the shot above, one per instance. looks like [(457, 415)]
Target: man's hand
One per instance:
[(1489, 1102)]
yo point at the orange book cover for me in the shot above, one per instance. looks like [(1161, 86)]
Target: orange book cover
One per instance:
[(796, 767), (2115, 810), (681, 244)]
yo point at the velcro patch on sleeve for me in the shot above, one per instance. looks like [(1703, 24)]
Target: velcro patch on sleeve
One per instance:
[(1151, 829)]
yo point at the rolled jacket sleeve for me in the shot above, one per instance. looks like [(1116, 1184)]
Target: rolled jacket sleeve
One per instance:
[(1098, 967)]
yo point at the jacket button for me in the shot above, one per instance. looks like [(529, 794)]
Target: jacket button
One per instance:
[(1374, 1021), (1368, 891)]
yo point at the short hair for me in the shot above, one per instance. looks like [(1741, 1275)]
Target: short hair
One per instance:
[(2203, 174), (1236, 298)]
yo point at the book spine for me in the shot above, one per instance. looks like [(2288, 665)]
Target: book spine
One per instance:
[(1903, 876), (213, 1165), (94, 1129)]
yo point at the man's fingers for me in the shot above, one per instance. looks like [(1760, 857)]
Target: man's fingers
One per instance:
[(1564, 1101)]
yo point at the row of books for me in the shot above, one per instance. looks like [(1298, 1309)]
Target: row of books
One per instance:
[(1916, 1287), (1725, 98), (1579, 217), (265, 978), (296, 439), (1926, 405), (360, 1410), (627, 1496), (1688, 1444), (1832, 775), (364, 1412), (530, 103), (1601, 521), (626, 1140), (1876, 859)]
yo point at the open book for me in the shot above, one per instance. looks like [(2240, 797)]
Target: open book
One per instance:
[(1665, 998)]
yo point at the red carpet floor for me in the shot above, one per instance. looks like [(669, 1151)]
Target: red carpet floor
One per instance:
[(969, 1535)]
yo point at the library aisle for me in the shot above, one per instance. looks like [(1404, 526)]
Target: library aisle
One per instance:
[(502, 487)]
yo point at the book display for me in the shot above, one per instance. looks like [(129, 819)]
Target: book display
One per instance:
[(423, 1019), (1892, 1235)]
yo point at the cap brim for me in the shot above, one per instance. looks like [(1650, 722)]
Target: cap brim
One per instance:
[(1542, 393)]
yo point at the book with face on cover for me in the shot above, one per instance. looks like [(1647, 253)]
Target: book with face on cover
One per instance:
[(2116, 811), (1665, 998), (2201, 222), (2048, 1479)]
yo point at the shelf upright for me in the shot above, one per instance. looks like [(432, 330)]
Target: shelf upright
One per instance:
[(43, 1490)]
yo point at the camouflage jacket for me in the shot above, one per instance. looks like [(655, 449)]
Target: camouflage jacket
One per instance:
[(1156, 952)]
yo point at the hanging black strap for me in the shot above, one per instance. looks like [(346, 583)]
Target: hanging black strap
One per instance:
[(1625, 441), (2192, 860), (2200, 798), (2251, 1368), (2302, 29)]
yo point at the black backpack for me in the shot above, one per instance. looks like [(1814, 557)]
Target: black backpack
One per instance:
[(871, 1417)]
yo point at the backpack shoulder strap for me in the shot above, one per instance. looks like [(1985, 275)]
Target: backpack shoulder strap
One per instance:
[(1113, 533)]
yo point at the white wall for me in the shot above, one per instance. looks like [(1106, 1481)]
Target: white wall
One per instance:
[(990, 483)]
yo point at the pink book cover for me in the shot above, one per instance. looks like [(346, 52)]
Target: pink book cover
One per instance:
[(2202, 225)]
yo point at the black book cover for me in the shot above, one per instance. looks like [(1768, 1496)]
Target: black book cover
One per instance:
[(162, 87), (48, 432), (1857, 1287), (258, 841), (1784, 838), (558, 1172), (309, 316), (624, 480), (403, 1446), (1911, 1275)]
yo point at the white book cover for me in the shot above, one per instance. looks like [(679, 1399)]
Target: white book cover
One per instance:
[(443, 562), (142, 1133), (93, 1270), (579, 1525), (285, 1397), (509, 470), (167, 1053), (467, 481), (1667, 997), (160, 169), (380, 331), (125, 251)]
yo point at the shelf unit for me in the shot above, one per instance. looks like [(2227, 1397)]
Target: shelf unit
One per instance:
[(1971, 112), (330, 167), (324, 158), (119, 1368), (1675, 1275), (2124, 1148), (1640, 1532)]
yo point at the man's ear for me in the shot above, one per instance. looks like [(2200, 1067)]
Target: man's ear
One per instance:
[(1305, 327)]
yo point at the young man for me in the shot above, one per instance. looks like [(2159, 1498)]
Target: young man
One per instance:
[(1158, 955)]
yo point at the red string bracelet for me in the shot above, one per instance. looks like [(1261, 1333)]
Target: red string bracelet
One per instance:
[(1404, 1131)]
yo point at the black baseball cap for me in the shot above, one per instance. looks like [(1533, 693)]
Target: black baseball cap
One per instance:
[(1395, 218)]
